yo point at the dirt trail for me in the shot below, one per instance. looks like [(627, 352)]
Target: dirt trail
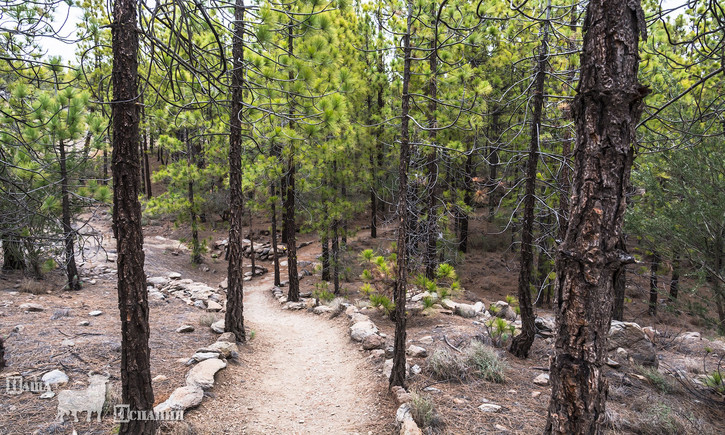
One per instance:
[(300, 374)]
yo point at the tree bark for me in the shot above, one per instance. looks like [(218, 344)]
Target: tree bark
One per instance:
[(468, 200), (293, 294), (521, 343), (234, 317), (606, 110), (325, 256), (336, 256), (675, 280), (195, 245), (653, 293), (2, 354), (71, 271), (397, 375), (432, 163), (136, 391)]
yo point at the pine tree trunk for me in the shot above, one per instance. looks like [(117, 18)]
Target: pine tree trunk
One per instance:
[(2, 354), (234, 317), (293, 294), (432, 163), (335, 257), (653, 293), (71, 271), (397, 375), (195, 246), (606, 110), (277, 281), (325, 256), (468, 200), (675, 280), (136, 391), (104, 181), (521, 343)]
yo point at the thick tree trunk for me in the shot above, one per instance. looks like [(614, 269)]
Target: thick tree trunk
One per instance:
[(653, 293), (71, 271), (136, 388), (521, 344), (397, 375), (606, 110), (234, 317), (293, 294), (432, 163), (675, 280)]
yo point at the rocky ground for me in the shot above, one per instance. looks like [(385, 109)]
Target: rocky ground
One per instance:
[(320, 368)]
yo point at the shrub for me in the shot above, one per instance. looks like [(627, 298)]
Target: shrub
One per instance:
[(427, 302), (499, 330), (657, 379), (322, 293), (423, 411), (446, 366), (382, 301), (28, 285), (715, 381), (659, 420), (485, 362)]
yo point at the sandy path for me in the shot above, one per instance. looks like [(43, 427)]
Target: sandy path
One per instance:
[(300, 374)]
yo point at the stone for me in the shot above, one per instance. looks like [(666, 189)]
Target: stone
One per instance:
[(426, 340), (159, 378), (322, 309), (358, 317), (224, 284), (31, 307), (55, 377), (68, 342), (360, 330), (218, 326), (415, 370), (544, 326), (431, 390), (542, 379), (373, 341), (157, 281), (503, 310), (224, 348), (200, 304), (465, 310), (448, 304), (500, 427), (202, 374), (479, 307), (229, 337), (489, 407), (691, 336), (202, 356), (95, 313), (350, 310), (535, 394), (401, 396), (416, 351), (612, 363), (629, 336), (185, 328), (409, 427), (63, 312), (213, 306), (293, 306), (651, 333), (174, 275), (18, 328), (403, 413), (181, 399), (47, 395)]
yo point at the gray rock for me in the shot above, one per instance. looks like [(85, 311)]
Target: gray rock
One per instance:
[(224, 348), (200, 304), (185, 328), (322, 309), (68, 342), (415, 370), (490, 407), (218, 326), (174, 275), (373, 341), (47, 395), (228, 337), (202, 356), (448, 304), (18, 328), (29, 306), (95, 313), (409, 427), (213, 306), (157, 281), (360, 330), (55, 377), (503, 310), (63, 312), (542, 379), (416, 351), (403, 413), (202, 374), (293, 306), (629, 336), (465, 310), (356, 317), (83, 323), (181, 399)]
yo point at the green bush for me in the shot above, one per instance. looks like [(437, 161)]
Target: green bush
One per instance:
[(485, 362), (423, 411)]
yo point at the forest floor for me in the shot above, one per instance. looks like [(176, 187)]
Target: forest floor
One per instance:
[(300, 373)]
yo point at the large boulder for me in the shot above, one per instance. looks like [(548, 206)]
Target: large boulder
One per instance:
[(360, 330), (181, 399), (202, 374), (503, 310), (630, 337)]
